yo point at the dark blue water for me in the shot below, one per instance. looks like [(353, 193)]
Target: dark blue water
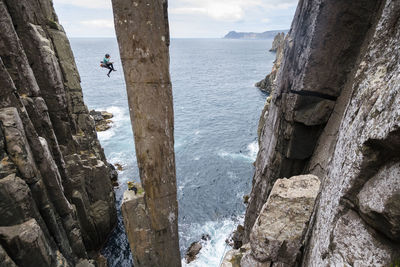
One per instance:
[(216, 114)]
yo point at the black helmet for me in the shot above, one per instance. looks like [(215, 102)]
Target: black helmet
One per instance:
[(107, 55)]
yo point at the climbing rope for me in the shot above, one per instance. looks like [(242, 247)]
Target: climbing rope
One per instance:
[(223, 255), (226, 245)]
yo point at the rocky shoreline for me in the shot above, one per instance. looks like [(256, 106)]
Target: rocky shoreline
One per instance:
[(269, 82), (102, 120)]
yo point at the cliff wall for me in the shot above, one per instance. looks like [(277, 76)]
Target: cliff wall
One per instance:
[(56, 199), (269, 82), (335, 114)]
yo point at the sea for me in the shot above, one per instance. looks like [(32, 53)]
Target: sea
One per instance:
[(217, 108)]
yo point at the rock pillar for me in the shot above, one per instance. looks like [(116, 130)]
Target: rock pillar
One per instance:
[(143, 37)]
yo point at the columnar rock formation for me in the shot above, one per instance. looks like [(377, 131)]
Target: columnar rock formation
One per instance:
[(56, 200), (335, 114), (143, 37), (278, 42), (269, 82)]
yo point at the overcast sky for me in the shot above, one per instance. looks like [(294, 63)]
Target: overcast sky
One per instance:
[(188, 18)]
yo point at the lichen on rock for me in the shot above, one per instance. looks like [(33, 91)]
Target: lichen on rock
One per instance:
[(337, 119), (53, 171)]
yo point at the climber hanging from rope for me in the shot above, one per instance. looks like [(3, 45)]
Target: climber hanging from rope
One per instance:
[(107, 64)]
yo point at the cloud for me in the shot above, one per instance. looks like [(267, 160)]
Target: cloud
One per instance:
[(96, 4), (279, 4), (188, 18), (99, 23), (226, 10), (216, 11)]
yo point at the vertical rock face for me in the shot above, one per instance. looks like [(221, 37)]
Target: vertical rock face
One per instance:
[(335, 114), (143, 37), (269, 82), (278, 42), (56, 200)]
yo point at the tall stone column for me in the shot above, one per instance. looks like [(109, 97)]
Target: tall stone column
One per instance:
[(143, 37)]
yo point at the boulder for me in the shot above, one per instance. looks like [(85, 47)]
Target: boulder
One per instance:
[(119, 167), (193, 251), (102, 120), (113, 172), (205, 237), (278, 233), (106, 115), (237, 237), (96, 115)]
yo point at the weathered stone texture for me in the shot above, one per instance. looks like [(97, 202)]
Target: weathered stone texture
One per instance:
[(5, 260), (366, 154), (234, 257), (48, 145), (278, 232), (268, 84), (335, 113), (278, 42), (27, 244), (143, 37), (137, 225)]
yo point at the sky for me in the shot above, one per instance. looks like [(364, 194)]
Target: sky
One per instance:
[(188, 18)]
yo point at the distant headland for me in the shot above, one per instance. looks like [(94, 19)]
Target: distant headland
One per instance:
[(253, 35)]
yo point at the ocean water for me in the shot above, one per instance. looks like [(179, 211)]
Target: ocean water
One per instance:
[(217, 109)]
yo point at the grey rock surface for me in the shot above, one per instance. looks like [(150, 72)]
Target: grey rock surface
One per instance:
[(138, 228), (193, 251), (278, 42), (279, 230), (49, 151), (36, 251), (268, 84), (339, 120), (234, 256), (143, 37)]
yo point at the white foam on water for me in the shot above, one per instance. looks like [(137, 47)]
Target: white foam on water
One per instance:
[(253, 150), (120, 117), (234, 156), (251, 155), (213, 250), (106, 135)]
